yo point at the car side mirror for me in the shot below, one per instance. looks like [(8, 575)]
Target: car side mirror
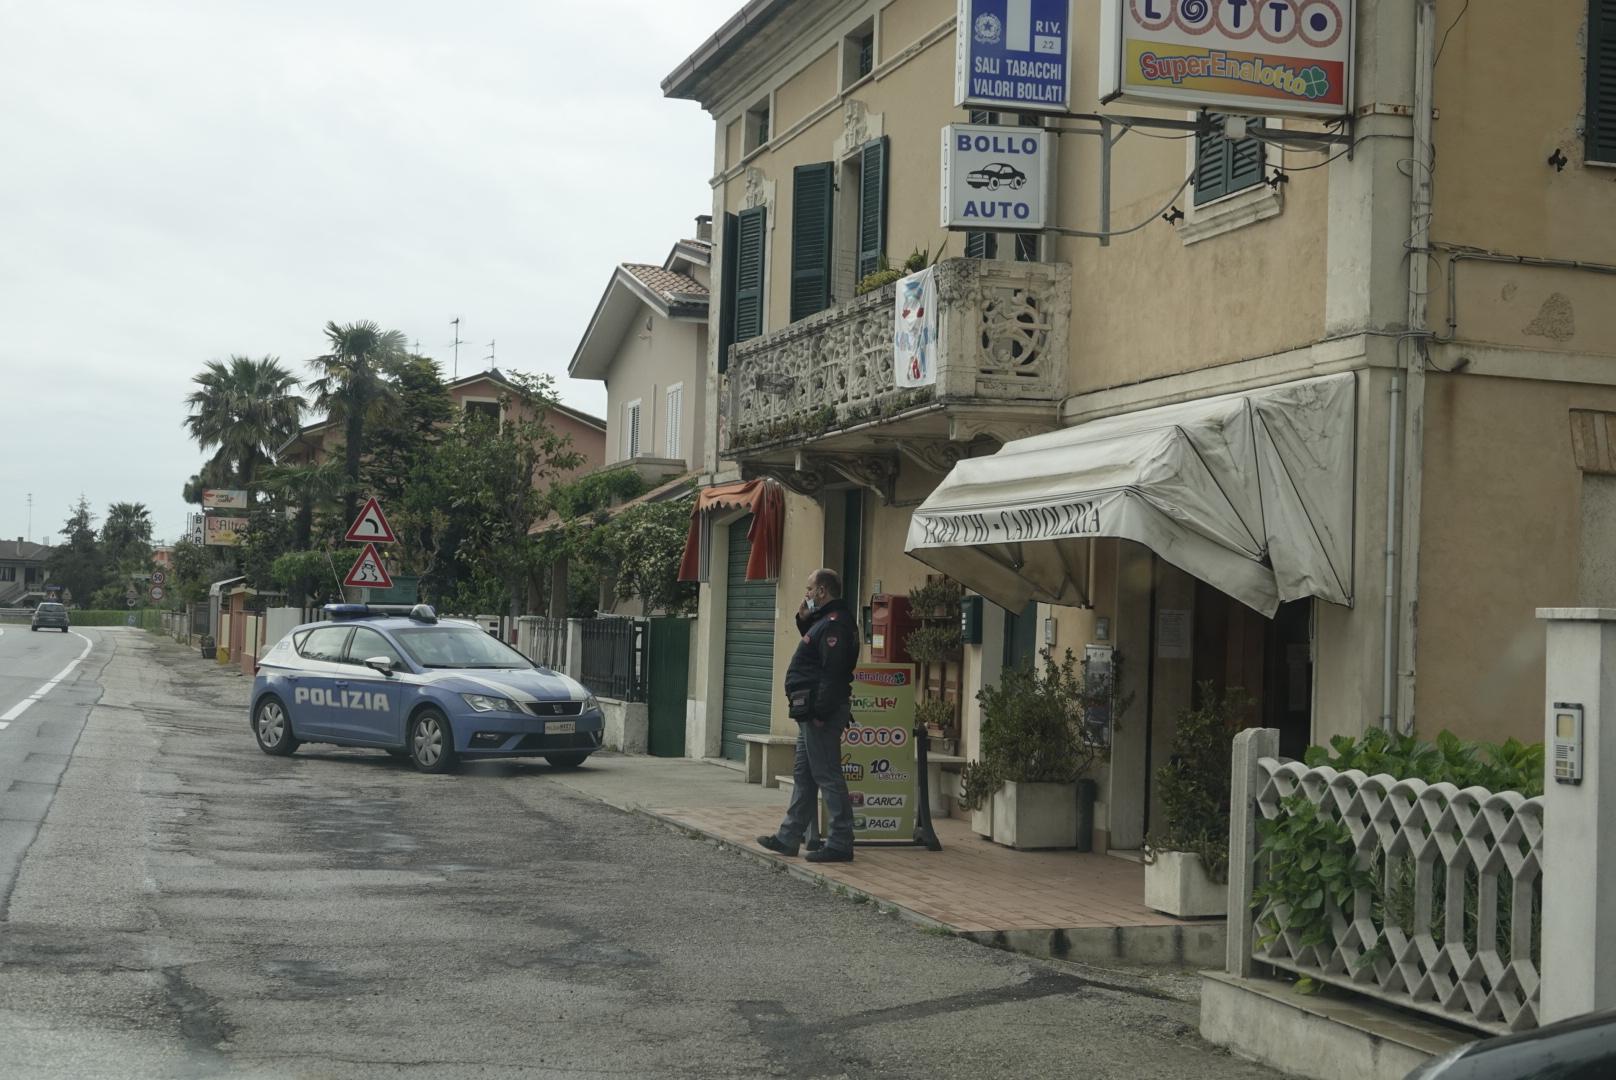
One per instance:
[(382, 664)]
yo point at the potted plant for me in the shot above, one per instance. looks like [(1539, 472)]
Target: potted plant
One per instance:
[(1035, 749), (1187, 861)]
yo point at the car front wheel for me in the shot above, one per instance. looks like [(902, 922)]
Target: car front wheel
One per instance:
[(432, 742), (272, 727), (565, 761), (993, 185)]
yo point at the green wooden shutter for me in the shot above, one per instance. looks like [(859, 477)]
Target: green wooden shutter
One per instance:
[(811, 190), (1601, 119), (749, 235), (726, 291), (1224, 166), (749, 685), (872, 232)]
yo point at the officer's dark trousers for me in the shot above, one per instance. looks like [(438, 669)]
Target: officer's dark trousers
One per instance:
[(818, 770)]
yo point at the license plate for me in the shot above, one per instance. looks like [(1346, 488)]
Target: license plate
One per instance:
[(561, 727)]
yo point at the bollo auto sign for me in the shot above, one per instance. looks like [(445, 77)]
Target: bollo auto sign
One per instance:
[(995, 178)]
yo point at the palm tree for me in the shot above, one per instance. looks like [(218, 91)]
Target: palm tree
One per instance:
[(351, 387), (246, 408), (306, 487), (128, 530)]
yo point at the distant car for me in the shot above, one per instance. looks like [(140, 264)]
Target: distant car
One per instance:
[(397, 679), (995, 176), (50, 615), (1581, 1048)]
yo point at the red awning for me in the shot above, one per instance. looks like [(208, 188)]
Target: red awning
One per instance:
[(767, 504)]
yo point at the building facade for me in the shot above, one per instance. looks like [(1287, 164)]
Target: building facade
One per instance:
[(1463, 307)]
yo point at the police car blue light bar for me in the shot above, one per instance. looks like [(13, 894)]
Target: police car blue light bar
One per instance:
[(418, 612)]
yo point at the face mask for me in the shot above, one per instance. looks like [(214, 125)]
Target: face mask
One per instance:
[(809, 603)]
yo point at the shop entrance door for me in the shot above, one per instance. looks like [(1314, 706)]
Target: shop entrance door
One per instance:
[(1270, 659)]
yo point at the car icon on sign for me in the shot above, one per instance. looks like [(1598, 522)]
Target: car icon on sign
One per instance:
[(996, 176)]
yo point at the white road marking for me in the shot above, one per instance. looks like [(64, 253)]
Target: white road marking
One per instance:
[(22, 706)]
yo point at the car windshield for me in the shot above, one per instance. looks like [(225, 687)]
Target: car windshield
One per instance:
[(457, 647), (50, 607)]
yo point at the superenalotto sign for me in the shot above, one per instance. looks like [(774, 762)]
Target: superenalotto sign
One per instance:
[(995, 178), (1244, 56), (1014, 55)]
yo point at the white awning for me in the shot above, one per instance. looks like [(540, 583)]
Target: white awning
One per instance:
[(1252, 493)]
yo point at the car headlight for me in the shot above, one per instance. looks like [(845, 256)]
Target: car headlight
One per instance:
[(590, 704), (489, 703)]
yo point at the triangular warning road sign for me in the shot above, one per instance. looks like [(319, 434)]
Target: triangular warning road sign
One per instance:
[(368, 572), (371, 525)]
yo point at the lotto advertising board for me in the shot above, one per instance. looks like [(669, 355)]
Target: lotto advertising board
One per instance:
[(1250, 57), (878, 752)]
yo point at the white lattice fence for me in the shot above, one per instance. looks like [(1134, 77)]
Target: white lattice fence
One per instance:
[(1450, 920)]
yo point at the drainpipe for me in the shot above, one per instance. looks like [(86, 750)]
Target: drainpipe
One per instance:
[(1405, 418)]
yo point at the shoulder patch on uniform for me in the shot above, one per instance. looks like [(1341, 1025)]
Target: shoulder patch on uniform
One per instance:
[(830, 641), (833, 616)]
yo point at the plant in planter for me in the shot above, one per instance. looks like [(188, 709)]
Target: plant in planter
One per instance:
[(1187, 862), (1035, 748), (937, 715)]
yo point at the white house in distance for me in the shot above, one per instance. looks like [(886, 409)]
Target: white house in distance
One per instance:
[(647, 342)]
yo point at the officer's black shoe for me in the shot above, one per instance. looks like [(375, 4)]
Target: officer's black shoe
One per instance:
[(773, 844), (815, 844), (829, 855)]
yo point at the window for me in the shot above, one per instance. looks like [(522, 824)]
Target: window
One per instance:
[(367, 643), (674, 420), (631, 430), (757, 125), (324, 643), (1224, 166), (812, 189), (858, 54), (8, 573), (489, 409), (1601, 122)]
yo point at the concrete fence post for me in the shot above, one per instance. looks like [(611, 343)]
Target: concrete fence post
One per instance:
[(1579, 872), (575, 649), (1245, 781)]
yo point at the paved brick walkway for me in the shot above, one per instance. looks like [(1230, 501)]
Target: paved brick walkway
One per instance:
[(973, 884)]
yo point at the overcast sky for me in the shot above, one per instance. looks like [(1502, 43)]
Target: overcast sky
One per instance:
[(180, 181)]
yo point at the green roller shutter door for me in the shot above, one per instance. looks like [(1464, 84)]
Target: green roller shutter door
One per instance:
[(748, 648)]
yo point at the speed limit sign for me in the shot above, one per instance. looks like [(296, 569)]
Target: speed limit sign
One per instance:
[(159, 578)]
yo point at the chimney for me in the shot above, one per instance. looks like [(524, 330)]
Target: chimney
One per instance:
[(704, 226)]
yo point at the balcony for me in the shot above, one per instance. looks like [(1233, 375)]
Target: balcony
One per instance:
[(818, 401)]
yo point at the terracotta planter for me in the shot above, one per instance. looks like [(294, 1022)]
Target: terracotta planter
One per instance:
[(1028, 816), (1176, 884)]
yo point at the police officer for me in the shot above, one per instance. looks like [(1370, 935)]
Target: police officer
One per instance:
[(819, 688)]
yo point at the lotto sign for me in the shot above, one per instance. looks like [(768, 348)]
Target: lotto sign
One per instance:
[(878, 752), (1244, 56), (1014, 55), (368, 572), (995, 178)]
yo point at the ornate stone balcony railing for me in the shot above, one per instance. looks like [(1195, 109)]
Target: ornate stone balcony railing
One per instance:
[(1002, 339)]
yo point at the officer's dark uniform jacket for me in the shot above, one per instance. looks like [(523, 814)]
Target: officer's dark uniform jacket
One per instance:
[(825, 657)]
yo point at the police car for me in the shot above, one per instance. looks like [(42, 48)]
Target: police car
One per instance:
[(395, 678)]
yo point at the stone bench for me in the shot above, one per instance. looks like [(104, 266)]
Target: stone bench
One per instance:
[(767, 756)]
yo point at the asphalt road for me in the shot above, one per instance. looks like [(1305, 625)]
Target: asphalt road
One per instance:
[(187, 907)]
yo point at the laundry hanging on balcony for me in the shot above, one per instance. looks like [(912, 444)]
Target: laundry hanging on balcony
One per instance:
[(765, 500), (914, 330), (1252, 493)]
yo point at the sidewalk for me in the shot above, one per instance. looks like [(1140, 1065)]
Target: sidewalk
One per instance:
[(1044, 903)]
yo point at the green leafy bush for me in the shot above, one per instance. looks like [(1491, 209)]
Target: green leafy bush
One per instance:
[(929, 644), (1510, 766), (1194, 784), (1032, 726), (935, 712)]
